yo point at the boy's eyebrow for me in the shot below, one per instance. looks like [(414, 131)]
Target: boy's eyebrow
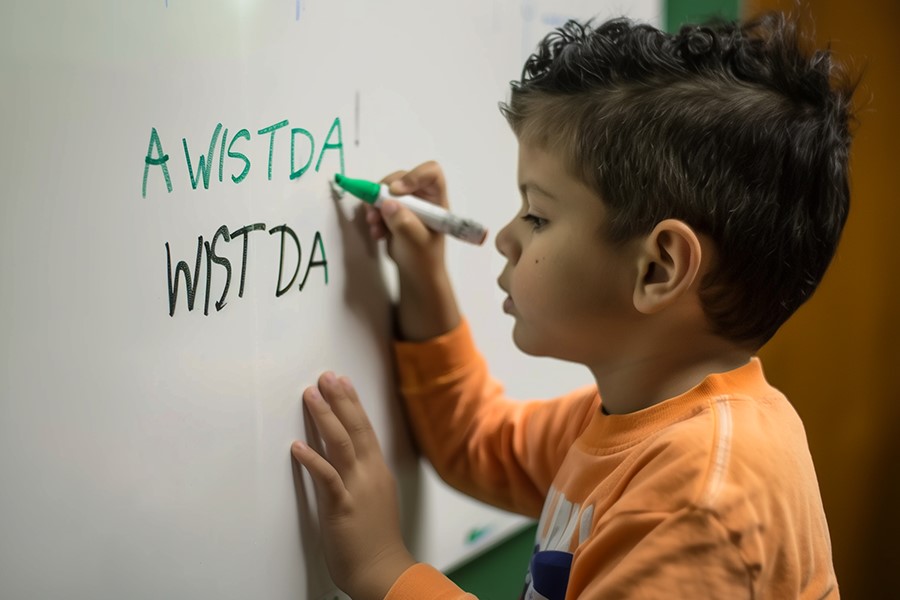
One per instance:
[(524, 188)]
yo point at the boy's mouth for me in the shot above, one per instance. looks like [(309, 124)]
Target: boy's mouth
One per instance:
[(508, 303)]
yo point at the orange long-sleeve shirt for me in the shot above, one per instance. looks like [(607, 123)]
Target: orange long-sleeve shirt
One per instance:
[(710, 494)]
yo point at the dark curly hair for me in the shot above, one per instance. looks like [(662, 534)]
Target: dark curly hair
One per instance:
[(736, 129)]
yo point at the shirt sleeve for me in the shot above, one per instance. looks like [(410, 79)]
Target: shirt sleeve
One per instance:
[(498, 450), (424, 582)]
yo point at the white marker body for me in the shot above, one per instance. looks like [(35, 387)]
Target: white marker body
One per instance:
[(438, 218)]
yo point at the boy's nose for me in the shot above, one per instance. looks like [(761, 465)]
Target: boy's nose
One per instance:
[(504, 241)]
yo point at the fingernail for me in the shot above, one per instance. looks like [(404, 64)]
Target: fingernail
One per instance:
[(389, 207), (345, 381), (314, 395), (329, 377), (298, 447)]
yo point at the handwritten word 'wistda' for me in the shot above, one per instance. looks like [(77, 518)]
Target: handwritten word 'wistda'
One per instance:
[(156, 156)]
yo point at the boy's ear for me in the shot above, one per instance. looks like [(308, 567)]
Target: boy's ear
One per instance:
[(668, 265)]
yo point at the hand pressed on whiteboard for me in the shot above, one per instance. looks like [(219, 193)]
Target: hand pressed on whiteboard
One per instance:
[(356, 493), (427, 306)]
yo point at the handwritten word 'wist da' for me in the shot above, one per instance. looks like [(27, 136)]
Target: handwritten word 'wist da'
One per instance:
[(303, 148), (288, 238)]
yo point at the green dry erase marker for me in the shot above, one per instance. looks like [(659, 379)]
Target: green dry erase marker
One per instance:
[(435, 217)]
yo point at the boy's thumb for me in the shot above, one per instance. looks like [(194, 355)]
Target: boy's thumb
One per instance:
[(402, 222)]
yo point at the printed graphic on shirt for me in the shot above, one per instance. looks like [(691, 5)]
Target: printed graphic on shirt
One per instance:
[(563, 526)]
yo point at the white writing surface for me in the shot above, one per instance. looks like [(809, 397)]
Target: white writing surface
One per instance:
[(175, 270)]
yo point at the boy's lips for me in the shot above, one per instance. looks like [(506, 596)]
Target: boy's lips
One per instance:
[(508, 303)]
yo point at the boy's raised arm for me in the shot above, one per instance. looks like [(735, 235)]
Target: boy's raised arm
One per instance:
[(427, 305)]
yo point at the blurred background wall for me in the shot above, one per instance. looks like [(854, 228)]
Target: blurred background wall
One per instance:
[(838, 358)]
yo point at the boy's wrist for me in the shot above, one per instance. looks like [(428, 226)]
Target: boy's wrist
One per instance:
[(376, 581), (427, 306)]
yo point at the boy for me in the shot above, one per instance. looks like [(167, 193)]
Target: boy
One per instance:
[(682, 196)]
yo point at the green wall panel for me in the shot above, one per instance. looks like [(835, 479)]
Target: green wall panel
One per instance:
[(679, 12), (498, 574)]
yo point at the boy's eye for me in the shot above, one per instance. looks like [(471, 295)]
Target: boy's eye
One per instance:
[(535, 221)]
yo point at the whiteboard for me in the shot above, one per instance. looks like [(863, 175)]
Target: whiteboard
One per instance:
[(144, 443)]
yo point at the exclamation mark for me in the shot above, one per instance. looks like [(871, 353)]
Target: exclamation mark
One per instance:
[(356, 120)]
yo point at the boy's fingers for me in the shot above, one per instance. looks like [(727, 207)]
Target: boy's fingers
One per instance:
[(425, 181), (344, 401), (389, 179), (395, 219), (313, 439), (352, 414), (327, 481), (403, 223), (338, 445), (373, 215), (377, 228), (377, 232)]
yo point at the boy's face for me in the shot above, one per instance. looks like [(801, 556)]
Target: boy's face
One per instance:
[(570, 292)]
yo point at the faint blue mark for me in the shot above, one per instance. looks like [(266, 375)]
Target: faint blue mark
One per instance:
[(297, 17), (554, 20), (356, 119), (527, 10)]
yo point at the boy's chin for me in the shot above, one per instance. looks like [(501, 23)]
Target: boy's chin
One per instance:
[(527, 343), (532, 343)]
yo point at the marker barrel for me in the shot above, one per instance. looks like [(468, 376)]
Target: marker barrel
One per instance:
[(438, 218)]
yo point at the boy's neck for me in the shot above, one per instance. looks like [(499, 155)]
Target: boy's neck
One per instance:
[(640, 380)]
